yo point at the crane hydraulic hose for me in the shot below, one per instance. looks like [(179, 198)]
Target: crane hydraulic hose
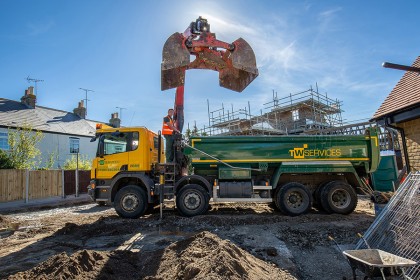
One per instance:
[(218, 160)]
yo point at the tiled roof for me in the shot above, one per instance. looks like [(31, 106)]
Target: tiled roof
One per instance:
[(405, 94), (16, 114)]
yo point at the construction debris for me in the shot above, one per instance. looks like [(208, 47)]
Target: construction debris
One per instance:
[(381, 197), (397, 229)]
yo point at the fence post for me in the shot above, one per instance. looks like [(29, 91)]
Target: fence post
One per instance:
[(77, 182), (27, 187), (63, 194)]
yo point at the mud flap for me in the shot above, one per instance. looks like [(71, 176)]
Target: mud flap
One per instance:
[(175, 59)]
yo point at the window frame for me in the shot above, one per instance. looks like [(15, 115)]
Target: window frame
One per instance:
[(72, 141), (4, 136), (295, 115)]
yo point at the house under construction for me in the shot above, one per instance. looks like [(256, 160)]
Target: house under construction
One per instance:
[(297, 113)]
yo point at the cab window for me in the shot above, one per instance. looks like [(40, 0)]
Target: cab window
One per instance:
[(119, 142)]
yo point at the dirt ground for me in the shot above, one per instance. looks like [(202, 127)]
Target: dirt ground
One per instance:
[(232, 241)]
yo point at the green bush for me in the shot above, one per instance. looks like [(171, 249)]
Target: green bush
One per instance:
[(84, 163), (23, 150), (5, 162)]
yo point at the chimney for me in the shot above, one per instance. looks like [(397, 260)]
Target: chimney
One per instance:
[(80, 110), (115, 121), (29, 99)]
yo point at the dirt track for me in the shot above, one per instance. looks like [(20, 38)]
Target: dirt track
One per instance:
[(245, 241)]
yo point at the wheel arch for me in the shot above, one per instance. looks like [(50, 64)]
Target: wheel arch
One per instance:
[(138, 179), (193, 179)]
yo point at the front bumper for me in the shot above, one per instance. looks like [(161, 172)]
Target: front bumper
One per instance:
[(100, 193)]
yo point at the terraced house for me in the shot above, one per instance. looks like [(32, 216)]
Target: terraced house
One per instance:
[(65, 133)]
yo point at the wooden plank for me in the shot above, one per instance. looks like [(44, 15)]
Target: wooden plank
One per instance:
[(13, 188), (49, 183), (58, 182), (31, 184), (3, 185), (22, 184), (10, 185)]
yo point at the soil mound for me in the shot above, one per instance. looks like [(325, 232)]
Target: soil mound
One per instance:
[(202, 256), (81, 265), (206, 256)]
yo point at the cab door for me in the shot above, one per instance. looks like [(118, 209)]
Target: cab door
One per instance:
[(112, 154)]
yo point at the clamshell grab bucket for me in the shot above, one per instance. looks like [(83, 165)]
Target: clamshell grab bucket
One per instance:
[(237, 67)]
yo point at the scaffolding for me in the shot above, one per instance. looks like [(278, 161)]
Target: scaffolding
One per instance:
[(296, 113)]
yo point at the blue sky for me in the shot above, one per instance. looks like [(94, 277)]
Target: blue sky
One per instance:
[(114, 48)]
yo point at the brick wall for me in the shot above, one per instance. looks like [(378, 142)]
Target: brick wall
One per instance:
[(412, 135)]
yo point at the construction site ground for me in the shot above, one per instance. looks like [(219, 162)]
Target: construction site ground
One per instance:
[(232, 241)]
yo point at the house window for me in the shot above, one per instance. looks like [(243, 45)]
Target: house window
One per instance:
[(4, 141), (74, 145), (295, 115)]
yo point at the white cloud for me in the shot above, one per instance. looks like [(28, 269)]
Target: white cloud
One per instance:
[(326, 15)]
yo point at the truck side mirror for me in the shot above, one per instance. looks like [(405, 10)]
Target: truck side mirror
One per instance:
[(100, 152)]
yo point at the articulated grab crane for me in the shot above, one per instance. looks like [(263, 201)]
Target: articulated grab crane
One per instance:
[(235, 62), (290, 171)]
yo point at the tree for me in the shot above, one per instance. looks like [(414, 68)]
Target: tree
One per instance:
[(5, 162), (23, 147), (84, 163)]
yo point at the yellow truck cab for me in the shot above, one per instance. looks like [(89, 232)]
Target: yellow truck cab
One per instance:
[(125, 157)]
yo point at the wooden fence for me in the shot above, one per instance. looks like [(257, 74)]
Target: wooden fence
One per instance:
[(26, 185)]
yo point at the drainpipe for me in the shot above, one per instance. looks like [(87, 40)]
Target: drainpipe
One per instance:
[(404, 143)]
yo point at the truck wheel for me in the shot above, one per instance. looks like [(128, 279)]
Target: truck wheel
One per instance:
[(317, 196), (293, 199), (131, 202), (338, 197), (192, 200)]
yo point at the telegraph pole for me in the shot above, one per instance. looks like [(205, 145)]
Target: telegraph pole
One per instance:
[(36, 81), (121, 108), (86, 96)]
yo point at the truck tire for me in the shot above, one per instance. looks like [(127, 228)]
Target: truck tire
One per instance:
[(131, 202), (317, 196), (293, 199), (338, 197), (192, 200)]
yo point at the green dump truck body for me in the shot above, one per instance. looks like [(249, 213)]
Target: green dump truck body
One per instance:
[(294, 172), (264, 152)]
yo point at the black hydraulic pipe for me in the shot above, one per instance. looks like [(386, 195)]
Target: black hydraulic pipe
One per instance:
[(159, 145), (401, 67), (404, 143)]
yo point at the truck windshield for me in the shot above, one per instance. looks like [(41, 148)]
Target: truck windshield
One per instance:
[(114, 143)]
